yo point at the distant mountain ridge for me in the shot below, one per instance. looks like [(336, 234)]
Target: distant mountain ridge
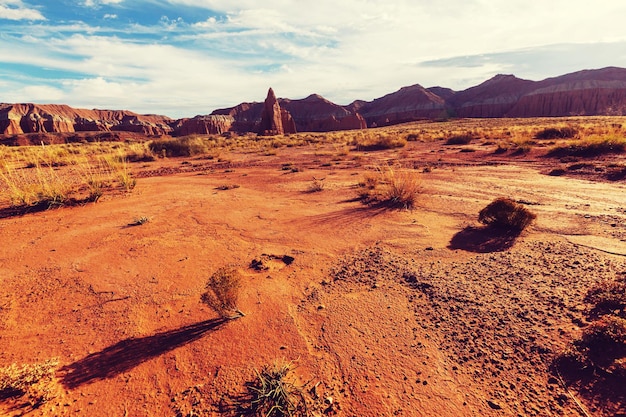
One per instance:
[(582, 93)]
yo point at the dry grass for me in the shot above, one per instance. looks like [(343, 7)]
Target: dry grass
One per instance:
[(57, 175), (223, 292), (272, 395), (32, 385), (391, 188), (590, 147), (608, 297), (377, 141)]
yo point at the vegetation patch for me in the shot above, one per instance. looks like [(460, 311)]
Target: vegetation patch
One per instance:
[(378, 142), (556, 133), (30, 385), (506, 214), (591, 147), (463, 139), (183, 146), (597, 359), (391, 188), (271, 394), (223, 292)]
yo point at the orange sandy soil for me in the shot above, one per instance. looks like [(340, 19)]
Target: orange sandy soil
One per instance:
[(393, 312)]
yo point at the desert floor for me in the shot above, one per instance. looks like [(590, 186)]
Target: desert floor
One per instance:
[(388, 312)]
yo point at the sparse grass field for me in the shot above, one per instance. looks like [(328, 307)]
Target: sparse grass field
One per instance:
[(382, 304)]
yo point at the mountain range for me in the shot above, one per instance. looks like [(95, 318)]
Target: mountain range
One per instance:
[(582, 93)]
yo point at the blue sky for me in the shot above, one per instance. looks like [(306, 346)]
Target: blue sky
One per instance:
[(186, 57)]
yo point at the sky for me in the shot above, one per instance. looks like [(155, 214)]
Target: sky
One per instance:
[(181, 58)]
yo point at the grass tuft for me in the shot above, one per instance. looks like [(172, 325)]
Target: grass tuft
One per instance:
[(272, 395)]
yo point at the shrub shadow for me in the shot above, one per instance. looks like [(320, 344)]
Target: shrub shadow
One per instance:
[(45, 205), (129, 353), (484, 239)]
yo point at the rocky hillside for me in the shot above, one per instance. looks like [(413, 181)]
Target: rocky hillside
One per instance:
[(52, 118), (588, 92)]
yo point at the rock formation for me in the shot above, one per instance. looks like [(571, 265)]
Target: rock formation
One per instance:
[(203, 125), (493, 98), (589, 92), (407, 104), (51, 118), (272, 118), (316, 114)]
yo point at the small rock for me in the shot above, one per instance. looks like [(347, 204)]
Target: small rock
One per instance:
[(493, 405), (430, 248), (321, 307)]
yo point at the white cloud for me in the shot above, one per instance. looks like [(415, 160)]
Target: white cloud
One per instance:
[(16, 10), (353, 49), (95, 3)]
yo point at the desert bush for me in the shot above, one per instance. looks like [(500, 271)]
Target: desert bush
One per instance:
[(316, 185), (183, 146), (272, 395), (556, 133), (603, 341), (462, 139), (608, 297), (223, 292), (602, 345), (391, 188), (402, 189), (33, 382), (501, 149), (590, 147), (378, 142), (504, 213)]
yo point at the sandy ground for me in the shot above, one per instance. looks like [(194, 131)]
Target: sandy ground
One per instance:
[(393, 312)]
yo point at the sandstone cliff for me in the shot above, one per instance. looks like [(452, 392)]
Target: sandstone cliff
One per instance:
[(589, 92), (316, 114), (203, 125), (52, 118)]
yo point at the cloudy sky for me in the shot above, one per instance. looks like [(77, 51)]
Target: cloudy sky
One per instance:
[(186, 57)]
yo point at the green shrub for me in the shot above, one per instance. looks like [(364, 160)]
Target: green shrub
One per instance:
[(504, 213)]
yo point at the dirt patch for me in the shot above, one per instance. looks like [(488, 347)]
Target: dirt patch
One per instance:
[(385, 310)]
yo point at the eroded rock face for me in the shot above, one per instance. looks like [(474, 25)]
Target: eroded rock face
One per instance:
[(589, 92), (582, 98), (51, 118), (316, 114), (406, 104), (204, 125), (493, 98)]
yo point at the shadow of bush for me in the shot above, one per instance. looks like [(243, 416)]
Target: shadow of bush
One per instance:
[(484, 239)]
